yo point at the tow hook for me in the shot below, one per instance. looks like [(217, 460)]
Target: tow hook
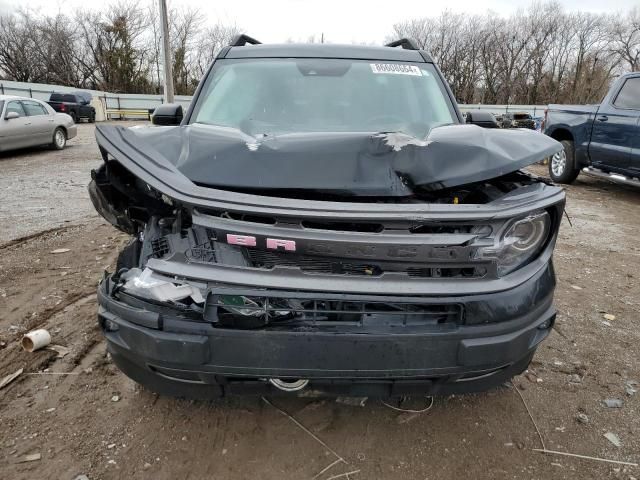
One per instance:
[(289, 385)]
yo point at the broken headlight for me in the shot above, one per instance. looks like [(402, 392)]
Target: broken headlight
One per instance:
[(147, 284), (520, 241)]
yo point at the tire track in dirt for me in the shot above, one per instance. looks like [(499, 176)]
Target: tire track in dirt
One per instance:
[(33, 236)]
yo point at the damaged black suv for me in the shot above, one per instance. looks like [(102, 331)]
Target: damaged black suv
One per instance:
[(321, 219)]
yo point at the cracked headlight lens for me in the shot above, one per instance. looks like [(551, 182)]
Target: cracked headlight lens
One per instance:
[(520, 241)]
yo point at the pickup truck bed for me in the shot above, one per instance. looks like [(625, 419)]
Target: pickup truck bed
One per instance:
[(603, 139)]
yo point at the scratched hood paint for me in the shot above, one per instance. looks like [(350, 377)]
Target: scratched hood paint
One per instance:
[(351, 164)]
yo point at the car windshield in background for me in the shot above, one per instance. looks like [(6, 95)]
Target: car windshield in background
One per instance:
[(59, 97), (276, 96)]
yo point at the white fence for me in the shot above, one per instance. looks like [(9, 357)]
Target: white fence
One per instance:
[(134, 101), (534, 110), (41, 91)]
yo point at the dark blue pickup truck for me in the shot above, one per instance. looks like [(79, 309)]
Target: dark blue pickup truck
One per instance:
[(603, 140)]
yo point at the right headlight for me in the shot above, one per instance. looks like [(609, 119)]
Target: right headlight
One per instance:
[(518, 243)]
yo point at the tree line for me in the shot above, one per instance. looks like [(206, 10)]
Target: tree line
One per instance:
[(118, 49), (536, 56)]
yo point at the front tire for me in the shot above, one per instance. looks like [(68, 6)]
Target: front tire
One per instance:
[(562, 167), (59, 139)]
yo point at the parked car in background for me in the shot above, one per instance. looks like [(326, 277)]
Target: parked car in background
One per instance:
[(323, 218), (518, 120), (76, 104), (27, 122), (604, 139)]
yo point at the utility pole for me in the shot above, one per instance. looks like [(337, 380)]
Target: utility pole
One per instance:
[(166, 51)]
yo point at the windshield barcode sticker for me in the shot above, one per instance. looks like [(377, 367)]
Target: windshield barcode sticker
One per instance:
[(395, 68)]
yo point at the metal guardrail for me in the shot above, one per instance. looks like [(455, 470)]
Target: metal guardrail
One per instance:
[(533, 110), (109, 101)]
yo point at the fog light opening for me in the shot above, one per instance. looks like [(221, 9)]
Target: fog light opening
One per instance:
[(110, 326)]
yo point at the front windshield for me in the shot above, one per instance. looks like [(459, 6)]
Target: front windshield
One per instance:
[(276, 96)]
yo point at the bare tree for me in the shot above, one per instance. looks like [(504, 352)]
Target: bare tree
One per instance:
[(210, 42), (626, 39), (17, 40), (116, 40), (185, 26), (535, 56)]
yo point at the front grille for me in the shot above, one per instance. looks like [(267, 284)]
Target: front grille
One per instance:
[(336, 266), (447, 272), (311, 264), (257, 309)]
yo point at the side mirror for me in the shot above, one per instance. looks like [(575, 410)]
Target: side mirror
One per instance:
[(11, 115), (167, 114), (482, 119)]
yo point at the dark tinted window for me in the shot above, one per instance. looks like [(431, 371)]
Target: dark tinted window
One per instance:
[(629, 96), (59, 97), (1, 106), (34, 108), (15, 106)]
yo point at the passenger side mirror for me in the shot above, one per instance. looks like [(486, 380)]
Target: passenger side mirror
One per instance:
[(167, 114), (11, 115), (482, 119)]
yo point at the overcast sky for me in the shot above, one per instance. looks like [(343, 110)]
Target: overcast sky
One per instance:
[(341, 21)]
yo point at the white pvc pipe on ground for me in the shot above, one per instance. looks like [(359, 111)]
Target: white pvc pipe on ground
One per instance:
[(36, 339)]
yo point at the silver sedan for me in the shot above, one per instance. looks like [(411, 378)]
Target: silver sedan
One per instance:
[(27, 122)]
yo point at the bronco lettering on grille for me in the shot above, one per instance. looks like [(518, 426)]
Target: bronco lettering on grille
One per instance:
[(271, 243)]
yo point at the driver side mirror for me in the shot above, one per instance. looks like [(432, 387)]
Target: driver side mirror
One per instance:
[(167, 114), (482, 119), (11, 115)]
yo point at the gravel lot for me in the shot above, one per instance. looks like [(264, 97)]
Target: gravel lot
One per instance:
[(84, 417)]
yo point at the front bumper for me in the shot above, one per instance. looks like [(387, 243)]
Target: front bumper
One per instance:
[(497, 339), (72, 130)]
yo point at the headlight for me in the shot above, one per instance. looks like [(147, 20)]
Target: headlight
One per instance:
[(519, 242)]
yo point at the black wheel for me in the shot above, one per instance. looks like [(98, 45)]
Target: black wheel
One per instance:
[(59, 139), (73, 117), (92, 118), (562, 167)]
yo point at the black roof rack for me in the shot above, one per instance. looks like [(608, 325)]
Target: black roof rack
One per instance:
[(242, 39), (406, 43)]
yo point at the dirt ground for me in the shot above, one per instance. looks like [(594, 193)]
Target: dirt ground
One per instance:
[(84, 417)]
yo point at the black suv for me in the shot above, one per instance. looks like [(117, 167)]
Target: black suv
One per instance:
[(321, 218)]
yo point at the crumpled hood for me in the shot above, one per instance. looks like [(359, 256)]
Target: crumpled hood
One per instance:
[(358, 164)]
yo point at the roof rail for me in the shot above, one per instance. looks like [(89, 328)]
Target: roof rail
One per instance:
[(242, 39), (406, 43)]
